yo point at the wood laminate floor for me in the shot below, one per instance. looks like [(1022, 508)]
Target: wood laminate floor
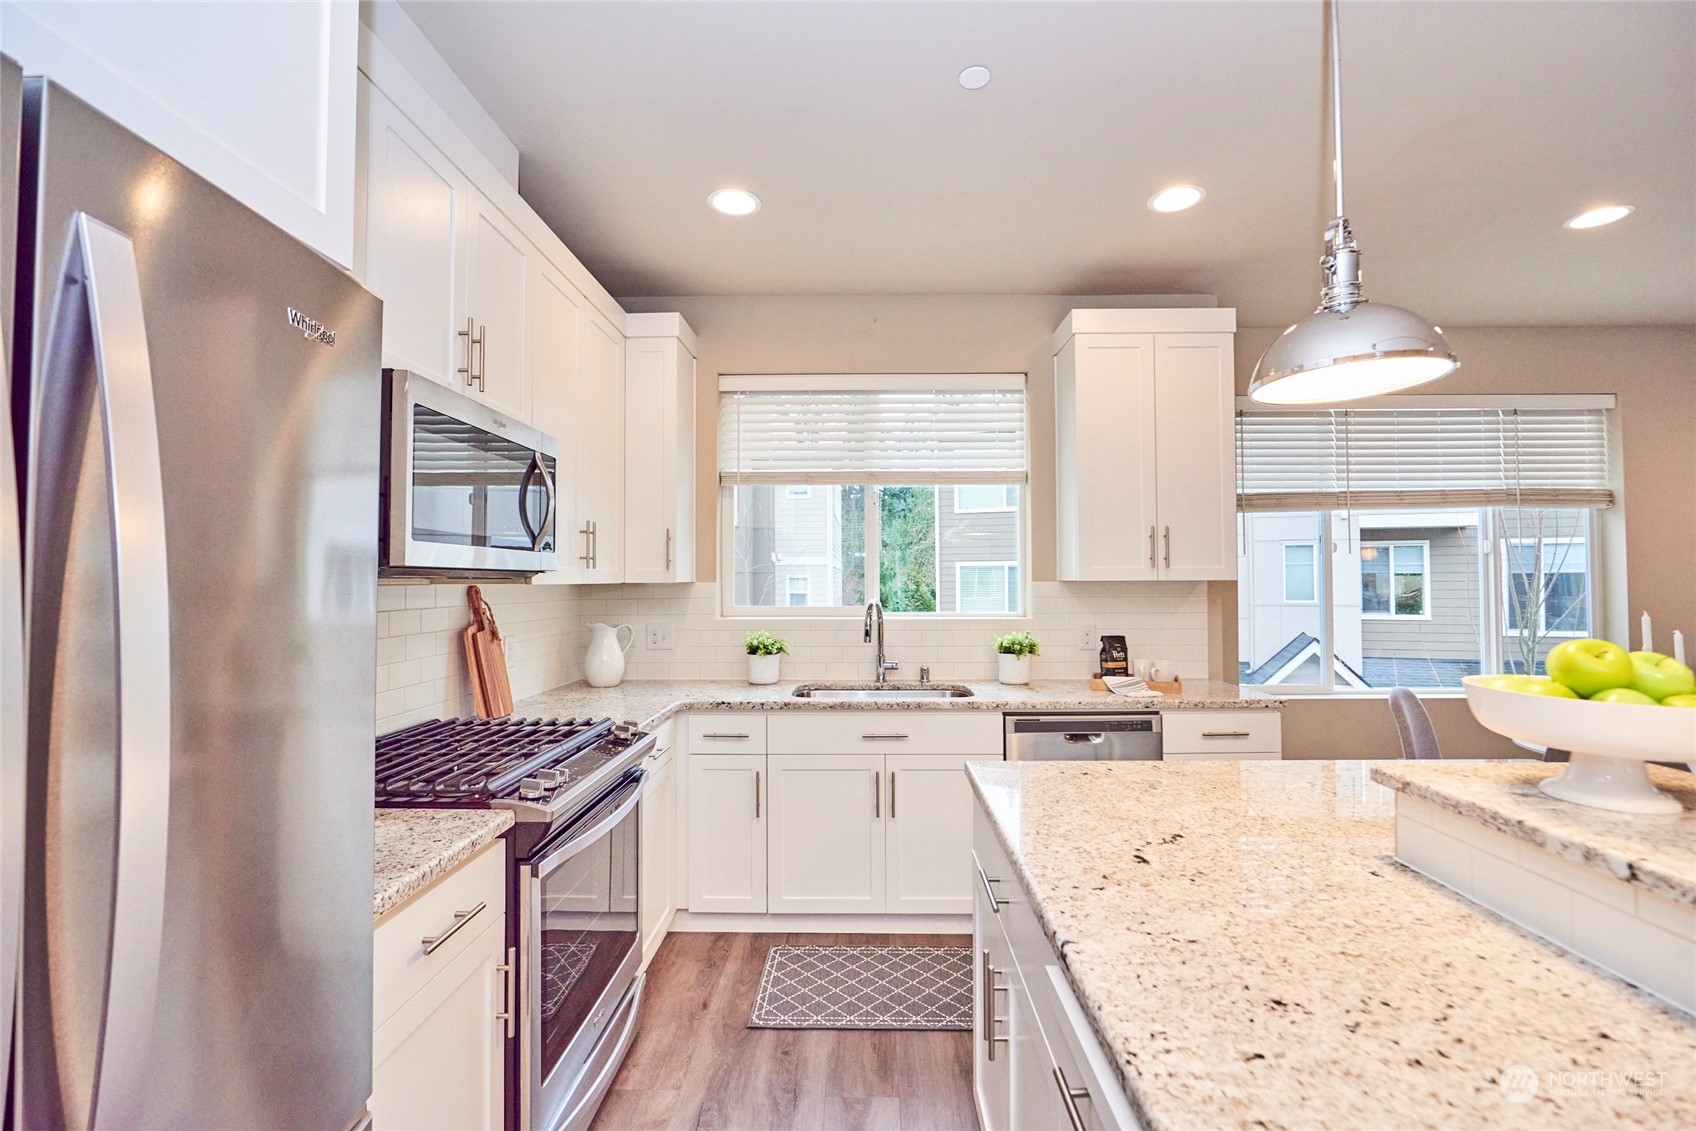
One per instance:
[(696, 1064)]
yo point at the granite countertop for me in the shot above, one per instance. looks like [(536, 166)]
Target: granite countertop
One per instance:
[(1251, 955), (651, 702), (1658, 852), (416, 847)]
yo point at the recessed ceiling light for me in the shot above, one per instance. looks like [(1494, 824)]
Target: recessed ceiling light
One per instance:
[(734, 202), (974, 78), (1596, 217), (1177, 198)]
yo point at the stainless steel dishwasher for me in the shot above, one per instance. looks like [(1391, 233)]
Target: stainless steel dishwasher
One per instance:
[(1123, 736)]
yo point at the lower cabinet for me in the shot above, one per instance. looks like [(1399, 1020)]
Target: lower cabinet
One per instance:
[(826, 834), (1036, 1062), (658, 840), (928, 835), (727, 832), (439, 1048)]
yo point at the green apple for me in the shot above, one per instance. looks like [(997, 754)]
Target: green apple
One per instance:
[(1659, 676), (1622, 695), (1543, 685), (1679, 701), (1504, 682), (1588, 666)]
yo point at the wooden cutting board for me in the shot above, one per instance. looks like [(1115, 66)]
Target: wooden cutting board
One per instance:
[(485, 659)]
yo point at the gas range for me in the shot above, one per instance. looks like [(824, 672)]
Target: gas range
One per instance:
[(541, 769)]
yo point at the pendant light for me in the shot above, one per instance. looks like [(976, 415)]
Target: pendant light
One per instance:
[(1348, 348)]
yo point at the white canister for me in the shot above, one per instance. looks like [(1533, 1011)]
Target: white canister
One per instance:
[(603, 662), (764, 669), (1014, 669)]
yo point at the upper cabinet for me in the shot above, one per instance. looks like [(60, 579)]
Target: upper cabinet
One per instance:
[(284, 147), (1144, 453), (659, 449), (449, 267)]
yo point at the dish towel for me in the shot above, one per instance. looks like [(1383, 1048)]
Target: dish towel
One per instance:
[(1130, 686)]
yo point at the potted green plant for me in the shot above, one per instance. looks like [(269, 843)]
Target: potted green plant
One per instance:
[(765, 655), (1016, 650)]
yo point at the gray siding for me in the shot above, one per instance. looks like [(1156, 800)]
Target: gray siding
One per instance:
[(975, 536), (1451, 633)]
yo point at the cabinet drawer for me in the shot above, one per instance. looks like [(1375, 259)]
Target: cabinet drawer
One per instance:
[(400, 966), (1223, 734), (891, 732), (727, 734)]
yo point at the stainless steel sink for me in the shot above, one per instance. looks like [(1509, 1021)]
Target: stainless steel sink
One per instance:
[(886, 691)]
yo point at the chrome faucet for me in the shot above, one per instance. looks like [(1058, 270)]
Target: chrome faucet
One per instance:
[(874, 613)]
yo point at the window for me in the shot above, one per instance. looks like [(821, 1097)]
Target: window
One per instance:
[(1414, 546), (995, 497), (906, 490), (799, 588), (1300, 582), (1393, 579), (986, 587)]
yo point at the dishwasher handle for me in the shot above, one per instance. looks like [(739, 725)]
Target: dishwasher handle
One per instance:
[(1077, 738)]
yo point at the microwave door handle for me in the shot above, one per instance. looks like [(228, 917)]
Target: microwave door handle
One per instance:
[(548, 514), (583, 839), (524, 483), (98, 318)]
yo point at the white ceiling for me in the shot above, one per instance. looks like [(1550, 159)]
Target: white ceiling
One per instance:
[(1472, 131)]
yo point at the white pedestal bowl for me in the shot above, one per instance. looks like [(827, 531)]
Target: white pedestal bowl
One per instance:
[(1609, 742)]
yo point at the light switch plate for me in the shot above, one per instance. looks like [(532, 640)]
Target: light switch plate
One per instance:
[(659, 636)]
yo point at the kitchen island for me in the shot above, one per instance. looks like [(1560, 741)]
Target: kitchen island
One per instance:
[(1245, 951)]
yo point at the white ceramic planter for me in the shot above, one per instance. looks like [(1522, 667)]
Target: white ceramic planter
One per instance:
[(764, 669), (1014, 669)]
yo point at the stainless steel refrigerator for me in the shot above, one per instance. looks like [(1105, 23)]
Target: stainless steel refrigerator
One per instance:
[(196, 399)]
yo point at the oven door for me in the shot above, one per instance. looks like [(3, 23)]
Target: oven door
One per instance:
[(581, 952), (465, 488)]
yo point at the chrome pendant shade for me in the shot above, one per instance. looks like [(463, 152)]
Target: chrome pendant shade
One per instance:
[(1348, 348)]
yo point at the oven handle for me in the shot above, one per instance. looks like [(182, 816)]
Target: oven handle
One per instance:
[(631, 794)]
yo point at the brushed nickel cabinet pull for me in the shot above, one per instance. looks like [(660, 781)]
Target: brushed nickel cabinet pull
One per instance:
[(877, 794), (990, 989), (1151, 547), (995, 901), (1070, 1097), (756, 795), (469, 370), (1168, 547), (587, 557), (668, 547), (509, 968), (460, 918), (1224, 734), (722, 734), (883, 735), (891, 795)]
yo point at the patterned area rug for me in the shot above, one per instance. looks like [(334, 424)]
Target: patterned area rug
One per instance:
[(562, 965), (865, 987)]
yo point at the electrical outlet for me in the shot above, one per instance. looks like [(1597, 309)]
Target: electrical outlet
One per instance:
[(1091, 640), (659, 636)]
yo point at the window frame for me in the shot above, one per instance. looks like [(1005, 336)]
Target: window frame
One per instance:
[(1425, 573), (728, 610), (1284, 567), (1008, 588), (1543, 630)]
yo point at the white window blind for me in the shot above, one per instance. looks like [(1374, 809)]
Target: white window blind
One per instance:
[(880, 429), (1441, 457)]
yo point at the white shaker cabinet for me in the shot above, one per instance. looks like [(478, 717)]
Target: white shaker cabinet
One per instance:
[(496, 273), (658, 838), (451, 270), (659, 449), (929, 833), (415, 207), (727, 832), (1144, 450), (826, 835)]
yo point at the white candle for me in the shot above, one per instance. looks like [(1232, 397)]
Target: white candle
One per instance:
[(1648, 635), (1678, 645)]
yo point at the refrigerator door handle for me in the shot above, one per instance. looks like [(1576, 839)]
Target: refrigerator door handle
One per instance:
[(105, 319)]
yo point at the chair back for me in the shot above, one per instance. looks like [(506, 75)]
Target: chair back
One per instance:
[(1413, 725)]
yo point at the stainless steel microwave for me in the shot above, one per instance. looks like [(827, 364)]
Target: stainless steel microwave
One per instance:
[(465, 489)]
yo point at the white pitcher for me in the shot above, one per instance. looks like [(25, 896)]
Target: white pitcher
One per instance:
[(603, 663)]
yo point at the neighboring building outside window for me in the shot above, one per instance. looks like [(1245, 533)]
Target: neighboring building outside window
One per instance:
[(799, 588), (982, 497), (1300, 576), (986, 587), (1393, 581), (798, 491)]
